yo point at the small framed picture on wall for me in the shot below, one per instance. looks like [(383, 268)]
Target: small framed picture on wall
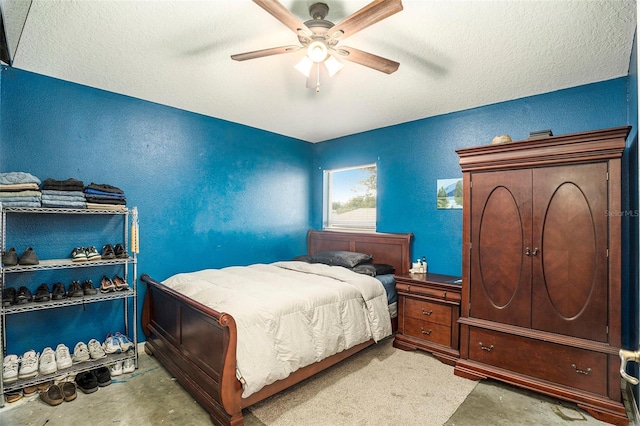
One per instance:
[(449, 193)]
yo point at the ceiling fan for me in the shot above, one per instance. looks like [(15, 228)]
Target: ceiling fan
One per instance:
[(321, 38)]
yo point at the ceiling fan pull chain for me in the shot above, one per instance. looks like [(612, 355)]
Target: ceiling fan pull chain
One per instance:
[(318, 78)]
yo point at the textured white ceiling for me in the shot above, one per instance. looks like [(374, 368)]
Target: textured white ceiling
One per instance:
[(453, 55)]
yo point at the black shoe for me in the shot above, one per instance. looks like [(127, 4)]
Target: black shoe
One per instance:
[(8, 296), (103, 376), (10, 257), (88, 288), (28, 257), (87, 382), (108, 252), (75, 289), (23, 296), (42, 293), (58, 292), (120, 252)]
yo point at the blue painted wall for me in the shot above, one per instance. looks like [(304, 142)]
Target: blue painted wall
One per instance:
[(412, 156), (210, 193)]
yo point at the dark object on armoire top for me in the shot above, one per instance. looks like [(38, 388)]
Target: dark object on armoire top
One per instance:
[(540, 134)]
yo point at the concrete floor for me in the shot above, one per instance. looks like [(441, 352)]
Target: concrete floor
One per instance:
[(150, 396)]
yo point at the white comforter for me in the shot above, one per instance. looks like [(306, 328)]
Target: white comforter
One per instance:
[(290, 314)]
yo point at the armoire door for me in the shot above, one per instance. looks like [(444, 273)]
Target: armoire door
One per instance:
[(500, 284), (570, 241)]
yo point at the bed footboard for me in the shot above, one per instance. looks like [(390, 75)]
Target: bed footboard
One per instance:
[(197, 345)]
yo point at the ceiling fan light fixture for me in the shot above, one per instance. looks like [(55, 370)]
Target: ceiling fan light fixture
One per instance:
[(304, 66), (317, 51), (333, 66)]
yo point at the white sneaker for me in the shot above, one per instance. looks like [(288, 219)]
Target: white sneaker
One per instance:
[(116, 369), (129, 366), (80, 353), (111, 345), (95, 350), (48, 361), (28, 365), (63, 358), (124, 342), (10, 368)]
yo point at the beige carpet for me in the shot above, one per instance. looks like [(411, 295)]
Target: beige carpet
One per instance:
[(381, 385)]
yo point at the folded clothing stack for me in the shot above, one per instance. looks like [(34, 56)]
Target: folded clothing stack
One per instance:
[(19, 189), (63, 194), (101, 196)]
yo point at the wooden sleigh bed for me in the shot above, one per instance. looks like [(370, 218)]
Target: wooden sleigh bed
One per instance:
[(197, 344)]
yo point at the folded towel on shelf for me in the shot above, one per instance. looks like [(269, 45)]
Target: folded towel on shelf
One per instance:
[(64, 193), (103, 193), (70, 184), (23, 202), (101, 199), (71, 204), (49, 197), (5, 194), (14, 187), (112, 207), (104, 188), (9, 178)]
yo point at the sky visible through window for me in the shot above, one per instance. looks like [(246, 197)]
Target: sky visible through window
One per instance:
[(346, 184)]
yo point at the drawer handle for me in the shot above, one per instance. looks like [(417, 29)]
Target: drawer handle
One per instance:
[(422, 330), (586, 373), (429, 312), (485, 348)]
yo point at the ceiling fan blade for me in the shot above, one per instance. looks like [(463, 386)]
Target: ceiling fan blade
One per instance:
[(370, 60), (264, 52), (372, 13), (282, 14)]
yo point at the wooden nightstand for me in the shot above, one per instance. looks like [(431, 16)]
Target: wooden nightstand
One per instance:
[(428, 312)]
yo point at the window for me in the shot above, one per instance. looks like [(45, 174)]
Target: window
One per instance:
[(350, 198)]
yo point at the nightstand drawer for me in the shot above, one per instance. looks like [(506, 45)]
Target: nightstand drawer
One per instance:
[(427, 311), (428, 331)]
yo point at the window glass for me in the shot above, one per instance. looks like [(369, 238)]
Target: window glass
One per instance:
[(350, 198)]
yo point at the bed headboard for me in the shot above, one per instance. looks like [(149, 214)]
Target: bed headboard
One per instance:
[(392, 249)]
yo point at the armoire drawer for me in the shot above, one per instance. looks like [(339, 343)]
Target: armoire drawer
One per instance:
[(428, 331), (566, 365), (428, 311)]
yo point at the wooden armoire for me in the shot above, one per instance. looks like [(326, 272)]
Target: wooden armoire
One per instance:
[(541, 291)]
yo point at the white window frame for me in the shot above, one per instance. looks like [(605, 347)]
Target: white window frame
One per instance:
[(366, 223)]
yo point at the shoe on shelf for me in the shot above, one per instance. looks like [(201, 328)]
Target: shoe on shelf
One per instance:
[(8, 296), (88, 288), (29, 257), (42, 293), (63, 357), (80, 353), (120, 252), (28, 365), (58, 292), (75, 289), (111, 345), (69, 391), (10, 257), (78, 254), (103, 375), (124, 342), (108, 252), (128, 366), (23, 296), (87, 381), (48, 361), (10, 368), (28, 390), (44, 385), (92, 253), (106, 285), (95, 350), (120, 283), (13, 396), (52, 396), (116, 369)]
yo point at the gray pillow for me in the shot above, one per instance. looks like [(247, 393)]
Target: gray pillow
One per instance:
[(348, 259)]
